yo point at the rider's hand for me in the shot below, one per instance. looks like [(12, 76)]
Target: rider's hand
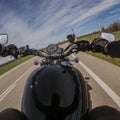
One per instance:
[(13, 50), (83, 45), (99, 45), (10, 50), (2, 49)]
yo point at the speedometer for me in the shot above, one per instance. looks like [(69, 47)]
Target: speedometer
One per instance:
[(52, 48)]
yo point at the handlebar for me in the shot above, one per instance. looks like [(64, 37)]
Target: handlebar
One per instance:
[(72, 49), (78, 46)]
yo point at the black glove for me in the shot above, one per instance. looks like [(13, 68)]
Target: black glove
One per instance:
[(83, 45), (98, 45), (13, 50), (10, 50), (2, 49)]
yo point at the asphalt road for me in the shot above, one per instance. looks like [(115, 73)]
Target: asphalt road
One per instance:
[(12, 85), (104, 81)]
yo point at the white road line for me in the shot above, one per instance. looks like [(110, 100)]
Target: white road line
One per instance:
[(2, 96), (103, 85), (16, 68), (5, 93)]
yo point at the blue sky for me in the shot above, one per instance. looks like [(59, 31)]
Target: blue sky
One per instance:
[(41, 22)]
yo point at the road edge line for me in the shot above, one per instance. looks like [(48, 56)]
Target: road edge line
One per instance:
[(102, 84)]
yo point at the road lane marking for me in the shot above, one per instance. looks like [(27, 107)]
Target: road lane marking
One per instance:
[(2, 96), (10, 88), (103, 85), (16, 68)]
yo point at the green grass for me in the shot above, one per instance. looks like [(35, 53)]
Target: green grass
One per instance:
[(13, 64), (93, 36), (115, 61), (89, 37), (117, 35)]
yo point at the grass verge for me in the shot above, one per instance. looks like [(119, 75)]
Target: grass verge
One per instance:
[(13, 64), (91, 37), (115, 61)]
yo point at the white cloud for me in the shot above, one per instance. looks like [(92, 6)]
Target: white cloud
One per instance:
[(91, 12), (36, 25)]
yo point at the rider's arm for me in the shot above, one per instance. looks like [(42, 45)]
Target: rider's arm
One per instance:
[(113, 49), (8, 50), (108, 48)]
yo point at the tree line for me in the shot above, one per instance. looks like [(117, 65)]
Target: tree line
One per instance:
[(115, 26)]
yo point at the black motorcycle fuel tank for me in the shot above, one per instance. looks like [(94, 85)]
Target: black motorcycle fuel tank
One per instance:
[(53, 84)]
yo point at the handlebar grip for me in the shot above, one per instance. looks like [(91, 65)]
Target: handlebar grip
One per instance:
[(2, 49), (12, 50), (8, 50), (25, 52), (83, 45)]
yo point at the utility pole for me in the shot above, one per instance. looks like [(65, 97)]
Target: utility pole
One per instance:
[(73, 31)]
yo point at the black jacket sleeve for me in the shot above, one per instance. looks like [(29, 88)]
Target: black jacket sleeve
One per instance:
[(114, 49)]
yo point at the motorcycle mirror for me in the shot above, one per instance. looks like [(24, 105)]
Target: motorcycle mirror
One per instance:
[(108, 36), (3, 39), (71, 38)]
